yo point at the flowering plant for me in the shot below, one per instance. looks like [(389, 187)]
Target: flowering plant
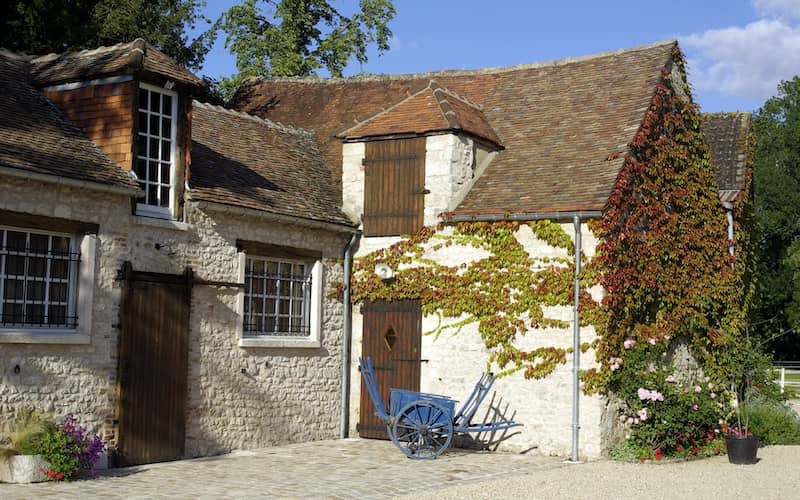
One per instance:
[(667, 412), (69, 449)]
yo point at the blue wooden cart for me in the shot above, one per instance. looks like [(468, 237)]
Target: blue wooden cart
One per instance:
[(422, 425)]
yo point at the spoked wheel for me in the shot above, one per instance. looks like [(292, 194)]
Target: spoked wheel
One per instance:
[(422, 429)]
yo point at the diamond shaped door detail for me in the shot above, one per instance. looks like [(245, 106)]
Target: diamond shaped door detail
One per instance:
[(390, 338)]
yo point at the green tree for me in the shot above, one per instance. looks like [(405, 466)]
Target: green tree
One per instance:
[(777, 200), (298, 37), (43, 26)]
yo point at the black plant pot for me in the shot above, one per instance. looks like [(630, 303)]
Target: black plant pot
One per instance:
[(742, 450)]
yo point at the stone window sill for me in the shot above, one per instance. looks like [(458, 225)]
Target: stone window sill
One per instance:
[(162, 223), (32, 336), (280, 342)]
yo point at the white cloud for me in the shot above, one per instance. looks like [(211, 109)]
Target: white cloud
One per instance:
[(746, 61), (788, 9)]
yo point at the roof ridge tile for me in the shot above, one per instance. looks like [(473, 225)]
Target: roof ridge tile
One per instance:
[(430, 75)]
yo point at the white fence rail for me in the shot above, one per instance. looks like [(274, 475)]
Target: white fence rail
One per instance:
[(787, 374)]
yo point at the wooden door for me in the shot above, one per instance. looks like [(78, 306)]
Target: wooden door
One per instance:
[(153, 365), (392, 336), (394, 187)]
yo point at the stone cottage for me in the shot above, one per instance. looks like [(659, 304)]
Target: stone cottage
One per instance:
[(531, 142), (165, 265)]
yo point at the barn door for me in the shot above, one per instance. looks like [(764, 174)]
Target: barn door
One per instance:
[(394, 187), (392, 336), (153, 361)]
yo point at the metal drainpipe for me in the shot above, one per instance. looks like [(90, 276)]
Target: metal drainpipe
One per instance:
[(729, 215), (347, 330), (576, 343)]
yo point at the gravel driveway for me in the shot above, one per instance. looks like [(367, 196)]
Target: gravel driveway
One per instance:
[(775, 476)]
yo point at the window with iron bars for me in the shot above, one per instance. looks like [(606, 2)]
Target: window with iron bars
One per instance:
[(38, 279), (277, 297)]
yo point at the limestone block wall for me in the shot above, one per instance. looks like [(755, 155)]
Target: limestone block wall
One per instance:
[(456, 360), (238, 397)]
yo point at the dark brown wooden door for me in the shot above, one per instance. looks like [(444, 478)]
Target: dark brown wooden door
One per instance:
[(392, 336), (394, 187), (153, 354)]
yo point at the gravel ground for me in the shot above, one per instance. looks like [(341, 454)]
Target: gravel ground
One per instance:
[(775, 476)]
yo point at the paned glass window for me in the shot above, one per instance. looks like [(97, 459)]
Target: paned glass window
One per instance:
[(277, 297), (38, 279), (156, 146)]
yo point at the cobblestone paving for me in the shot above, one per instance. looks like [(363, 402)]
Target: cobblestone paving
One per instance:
[(350, 468)]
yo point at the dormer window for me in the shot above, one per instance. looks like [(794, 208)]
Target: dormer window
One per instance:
[(156, 150)]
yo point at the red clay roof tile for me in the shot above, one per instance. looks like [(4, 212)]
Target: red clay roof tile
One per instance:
[(560, 122)]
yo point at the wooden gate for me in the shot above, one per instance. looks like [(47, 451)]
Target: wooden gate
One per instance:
[(394, 187), (153, 363), (392, 336)]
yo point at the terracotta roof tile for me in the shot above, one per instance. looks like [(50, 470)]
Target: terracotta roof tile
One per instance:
[(36, 137), (727, 137), (559, 121), (431, 109), (242, 160), (123, 58)]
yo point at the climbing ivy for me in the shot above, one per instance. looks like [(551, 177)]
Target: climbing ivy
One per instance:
[(504, 292)]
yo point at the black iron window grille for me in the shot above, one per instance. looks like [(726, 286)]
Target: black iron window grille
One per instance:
[(38, 280), (277, 298)]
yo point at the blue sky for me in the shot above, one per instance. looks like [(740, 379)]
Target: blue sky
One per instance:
[(738, 50)]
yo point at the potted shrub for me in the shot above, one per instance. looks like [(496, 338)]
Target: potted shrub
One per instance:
[(19, 463)]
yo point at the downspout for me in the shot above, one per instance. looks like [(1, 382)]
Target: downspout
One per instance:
[(728, 206), (576, 342), (347, 331)]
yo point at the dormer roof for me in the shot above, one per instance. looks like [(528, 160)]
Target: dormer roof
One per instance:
[(136, 57), (36, 137), (431, 109)]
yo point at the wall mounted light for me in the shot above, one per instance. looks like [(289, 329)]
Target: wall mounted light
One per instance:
[(384, 272)]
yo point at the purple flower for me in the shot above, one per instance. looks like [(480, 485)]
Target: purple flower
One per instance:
[(695, 406)]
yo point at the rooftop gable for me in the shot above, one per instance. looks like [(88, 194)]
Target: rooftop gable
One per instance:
[(35, 137), (565, 124), (432, 109), (245, 161), (137, 56)]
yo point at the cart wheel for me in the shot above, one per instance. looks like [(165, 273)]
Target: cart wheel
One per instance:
[(422, 429)]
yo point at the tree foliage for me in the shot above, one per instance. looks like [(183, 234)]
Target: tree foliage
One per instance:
[(43, 26), (777, 199), (299, 37)]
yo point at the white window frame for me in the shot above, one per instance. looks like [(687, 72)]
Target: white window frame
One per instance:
[(144, 209), (313, 340), (81, 305)]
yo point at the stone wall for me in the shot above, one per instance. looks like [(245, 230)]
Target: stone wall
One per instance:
[(456, 360), (238, 397)]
